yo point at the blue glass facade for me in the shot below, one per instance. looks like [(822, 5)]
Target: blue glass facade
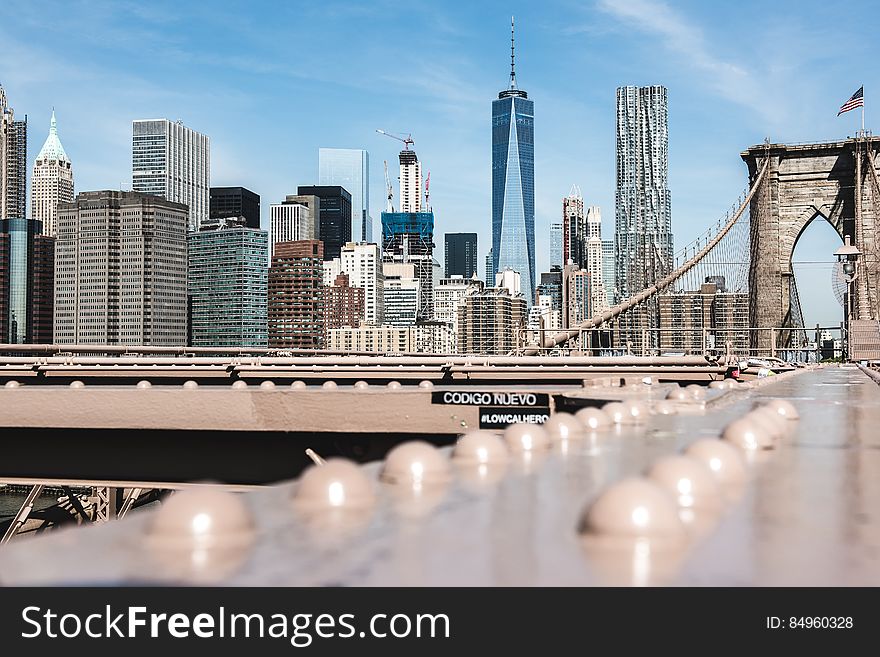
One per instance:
[(418, 224), (513, 186)]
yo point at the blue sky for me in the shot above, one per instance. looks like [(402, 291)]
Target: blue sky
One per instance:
[(271, 82)]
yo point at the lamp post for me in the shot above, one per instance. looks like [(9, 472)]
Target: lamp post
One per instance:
[(848, 255)]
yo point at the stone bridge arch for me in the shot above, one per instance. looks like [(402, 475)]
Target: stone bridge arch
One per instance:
[(806, 182)]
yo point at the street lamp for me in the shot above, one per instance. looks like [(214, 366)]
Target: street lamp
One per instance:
[(848, 255)]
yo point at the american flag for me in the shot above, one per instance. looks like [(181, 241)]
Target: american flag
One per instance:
[(857, 100)]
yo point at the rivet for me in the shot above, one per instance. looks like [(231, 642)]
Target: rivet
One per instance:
[(337, 484), (77, 384), (664, 407), (633, 508), (748, 434), (190, 385), (718, 385), (329, 385), (298, 385), (361, 385), (415, 463), (426, 384), (721, 458), (696, 392), (480, 447), (394, 385), (12, 384), (637, 412), (526, 437), (617, 412), (267, 385), (688, 480), (143, 385), (594, 419), (239, 385), (679, 395), (783, 407), (563, 427)]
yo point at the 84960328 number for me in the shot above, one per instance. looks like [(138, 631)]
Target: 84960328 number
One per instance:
[(820, 622)]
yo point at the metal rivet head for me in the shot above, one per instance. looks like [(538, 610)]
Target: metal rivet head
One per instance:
[(776, 425), (664, 407), (593, 419), (329, 385), (634, 508), (12, 384), (143, 385), (426, 384), (617, 412), (337, 484), (77, 384), (722, 459), (239, 385), (748, 434), (637, 412), (480, 447), (361, 385), (415, 463), (783, 408), (201, 534), (267, 385), (678, 394), (563, 427), (298, 385), (688, 481), (718, 385), (696, 392), (205, 515), (190, 385), (526, 438), (394, 385)]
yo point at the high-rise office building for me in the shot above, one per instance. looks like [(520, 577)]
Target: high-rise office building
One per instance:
[(609, 271), (513, 181), (345, 304), (120, 270), (556, 244), (227, 284), (575, 295), (13, 162), (52, 181), (402, 293), (491, 321), (574, 229), (447, 295), (27, 266), (229, 202), (408, 238), (551, 286), (362, 263), (297, 295), (334, 216), (174, 162), (643, 225), (460, 254), (295, 219), (350, 168)]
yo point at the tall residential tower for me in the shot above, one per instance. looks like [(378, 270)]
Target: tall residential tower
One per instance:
[(513, 182), (13, 162)]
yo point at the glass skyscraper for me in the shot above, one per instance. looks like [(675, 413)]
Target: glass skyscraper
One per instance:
[(513, 182), (350, 168), (227, 286)]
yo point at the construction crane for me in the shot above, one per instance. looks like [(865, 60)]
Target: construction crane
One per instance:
[(390, 190), (407, 141)]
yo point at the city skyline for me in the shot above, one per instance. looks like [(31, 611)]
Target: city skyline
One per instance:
[(460, 65)]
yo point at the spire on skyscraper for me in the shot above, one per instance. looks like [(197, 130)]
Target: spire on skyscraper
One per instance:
[(52, 148), (512, 57)]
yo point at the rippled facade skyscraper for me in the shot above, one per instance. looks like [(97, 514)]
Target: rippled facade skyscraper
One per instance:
[(513, 182)]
